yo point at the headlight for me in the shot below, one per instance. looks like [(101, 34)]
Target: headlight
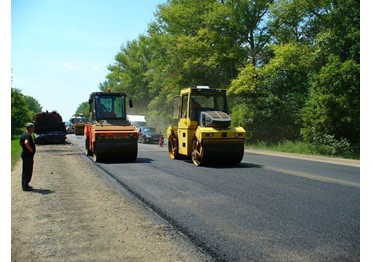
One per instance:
[(238, 134), (209, 134)]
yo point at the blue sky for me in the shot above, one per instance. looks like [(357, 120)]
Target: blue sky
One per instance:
[(60, 49)]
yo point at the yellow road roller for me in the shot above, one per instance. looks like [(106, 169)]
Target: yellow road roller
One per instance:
[(203, 130), (78, 122)]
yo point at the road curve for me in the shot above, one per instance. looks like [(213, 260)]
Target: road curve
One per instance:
[(265, 209)]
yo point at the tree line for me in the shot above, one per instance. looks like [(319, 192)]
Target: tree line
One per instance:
[(23, 110), (291, 68)]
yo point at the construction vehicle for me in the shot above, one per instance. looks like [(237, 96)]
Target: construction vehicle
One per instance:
[(49, 128), (108, 134), (78, 124), (203, 130)]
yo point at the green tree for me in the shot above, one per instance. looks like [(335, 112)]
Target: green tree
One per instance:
[(268, 100), (333, 108), (83, 108), (128, 73), (286, 64), (341, 32), (250, 26), (20, 113), (297, 21), (32, 104)]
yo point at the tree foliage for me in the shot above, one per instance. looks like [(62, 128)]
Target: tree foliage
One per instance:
[(32, 104), (333, 107), (23, 109), (83, 108), (273, 95), (287, 64)]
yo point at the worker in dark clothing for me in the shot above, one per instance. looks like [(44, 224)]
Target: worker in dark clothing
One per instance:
[(28, 152)]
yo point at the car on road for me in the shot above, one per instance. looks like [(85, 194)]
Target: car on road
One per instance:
[(148, 135), (69, 128)]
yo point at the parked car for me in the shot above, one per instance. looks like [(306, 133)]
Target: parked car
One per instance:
[(69, 128), (148, 135)]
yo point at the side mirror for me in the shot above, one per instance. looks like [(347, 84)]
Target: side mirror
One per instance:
[(130, 103)]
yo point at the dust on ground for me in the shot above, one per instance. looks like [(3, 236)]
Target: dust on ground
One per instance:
[(76, 214)]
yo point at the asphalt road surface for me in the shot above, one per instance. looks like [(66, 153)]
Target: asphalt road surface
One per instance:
[(266, 209)]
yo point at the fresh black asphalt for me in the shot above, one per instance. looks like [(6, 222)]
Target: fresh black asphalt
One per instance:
[(252, 212)]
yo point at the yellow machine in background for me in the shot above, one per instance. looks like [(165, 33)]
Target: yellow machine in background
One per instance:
[(203, 130), (78, 122)]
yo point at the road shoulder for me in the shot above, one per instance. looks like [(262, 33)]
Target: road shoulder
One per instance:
[(77, 215), (331, 160)]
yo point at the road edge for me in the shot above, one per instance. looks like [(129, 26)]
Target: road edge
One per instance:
[(331, 160)]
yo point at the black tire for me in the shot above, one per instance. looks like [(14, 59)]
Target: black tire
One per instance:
[(197, 159), (96, 157), (88, 152), (132, 156), (173, 147)]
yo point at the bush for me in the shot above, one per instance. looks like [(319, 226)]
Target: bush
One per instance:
[(329, 145)]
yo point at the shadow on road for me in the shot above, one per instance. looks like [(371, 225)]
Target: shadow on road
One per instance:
[(221, 166), (144, 160), (46, 144), (248, 165), (121, 161), (42, 191)]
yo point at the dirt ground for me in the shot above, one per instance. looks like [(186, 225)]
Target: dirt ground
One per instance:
[(75, 213)]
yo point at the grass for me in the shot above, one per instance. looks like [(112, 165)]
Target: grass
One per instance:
[(299, 147), (16, 151)]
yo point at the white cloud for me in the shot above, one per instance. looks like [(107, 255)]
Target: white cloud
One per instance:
[(70, 66), (94, 68)]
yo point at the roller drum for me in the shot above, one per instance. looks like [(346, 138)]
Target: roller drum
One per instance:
[(115, 150), (222, 153)]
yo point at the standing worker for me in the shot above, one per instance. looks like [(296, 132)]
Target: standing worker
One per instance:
[(28, 152)]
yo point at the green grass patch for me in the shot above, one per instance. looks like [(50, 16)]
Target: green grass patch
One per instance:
[(16, 151), (299, 147)]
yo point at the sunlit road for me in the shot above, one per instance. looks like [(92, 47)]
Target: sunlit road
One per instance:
[(266, 209)]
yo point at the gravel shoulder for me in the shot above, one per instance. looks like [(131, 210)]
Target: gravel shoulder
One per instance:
[(76, 214)]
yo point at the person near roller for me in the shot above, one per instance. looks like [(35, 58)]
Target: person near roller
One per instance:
[(28, 151)]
